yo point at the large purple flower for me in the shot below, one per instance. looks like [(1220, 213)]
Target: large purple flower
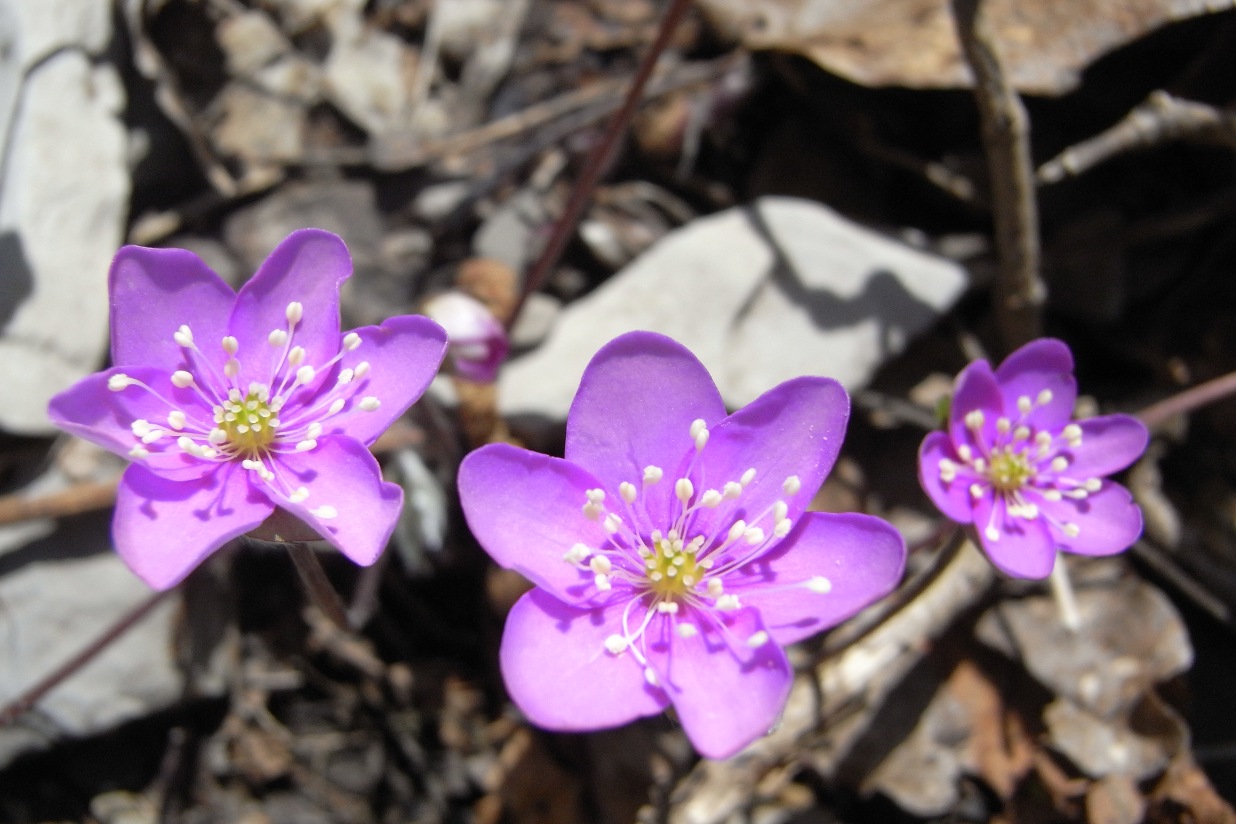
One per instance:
[(231, 405), (670, 549), (1030, 479)]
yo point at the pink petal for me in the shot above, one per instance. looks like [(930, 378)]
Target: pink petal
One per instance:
[(1108, 521), (163, 529), (1108, 445), (155, 291), (976, 389), (403, 354), (91, 411), (953, 497), (559, 673), (860, 556), (727, 693), (525, 509), (794, 429), (1040, 364), (1021, 548), (307, 267), (634, 408), (343, 478)]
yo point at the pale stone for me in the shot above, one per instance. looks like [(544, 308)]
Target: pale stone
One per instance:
[(761, 294)]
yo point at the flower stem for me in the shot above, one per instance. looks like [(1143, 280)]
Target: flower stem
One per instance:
[(1209, 392), (23, 703), (598, 159), (1062, 590), (317, 585)]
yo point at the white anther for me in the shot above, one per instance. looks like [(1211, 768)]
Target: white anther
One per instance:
[(782, 528), (231, 367), (737, 530), (296, 356), (176, 419), (1044, 397), (948, 470), (616, 644), (595, 496), (1052, 494), (747, 477), (345, 376), (650, 677), (1059, 463), (683, 489), (576, 554), (612, 523), (1024, 404), (711, 499), (1003, 425), (336, 406), (791, 485), (230, 344), (306, 445), (119, 381), (139, 452), (602, 583), (686, 630), (139, 427), (325, 512), (697, 426), (294, 312), (592, 511), (299, 495), (314, 429), (980, 465), (305, 374), (976, 491), (653, 474), (965, 453), (182, 379), (1042, 439), (242, 428), (819, 585), (992, 533), (1021, 433), (753, 536), (186, 443), (628, 491), (361, 370), (668, 607), (780, 510), (728, 603), (350, 341), (183, 337), (715, 587), (731, 490), (701, 440), (600, 565), (1072, 530), (1093, 484), (974, 419), (757, 639), (1073, 434), (277, 337), (217, 436), (152, 436)]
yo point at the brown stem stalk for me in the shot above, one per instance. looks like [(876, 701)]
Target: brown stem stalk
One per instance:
[(317, 586)]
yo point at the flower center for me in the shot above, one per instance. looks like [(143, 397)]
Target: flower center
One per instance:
[(1009, 470), (673, 568), (249, 424)]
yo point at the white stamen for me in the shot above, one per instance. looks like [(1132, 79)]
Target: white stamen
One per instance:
[(627, 490), (1021, 433), (780, 510), (1044, 397), (182, 379), (974, 419), (686, 630), (345, 376), (1073, 434), (361, 370), (737, 530), (731, 490), (976, 491), (697, 426), (683, 489), (119, 381), (576, 554), (277, 337), (791, 485), (1024, 404), (139, 452), (992, 533), (183, 337), (612, 523), (602, 583), (335, 406), (753, 536), (305, 374), (650, 677), (616, 644), (230, 344), (715, 587), (1059, 463), (1003, 425), (313, 431), (296, 356), (176, 419), (350, 341), (819, 585), (595, 496), (728, 603), (965, 453), (758, 639), (1072, 530), (1093, 484), (747, 477), (1052, 494), (668, 607), (305, 445), (711, 499), (783, 528), (325, 512), (217, 436), (653, 474), (231, 367), (948, 470), (295, 312), (600, 565), (299, 495)]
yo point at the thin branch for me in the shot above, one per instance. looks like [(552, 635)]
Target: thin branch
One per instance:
[(1157, 414), (599, 158), (1019, 291)]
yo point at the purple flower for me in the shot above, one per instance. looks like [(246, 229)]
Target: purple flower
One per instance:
[(670, 549), (231, 405), (1015, 465), (478, 343)]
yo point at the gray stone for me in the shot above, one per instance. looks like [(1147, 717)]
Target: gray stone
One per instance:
[(761, 294)]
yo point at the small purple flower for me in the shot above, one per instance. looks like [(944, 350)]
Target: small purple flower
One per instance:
[(233, 406), (671, 550), (478, 343), (1015, 465)]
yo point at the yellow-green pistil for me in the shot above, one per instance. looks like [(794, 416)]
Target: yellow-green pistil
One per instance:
[(672, 567), (1009, 470), (249, 422)]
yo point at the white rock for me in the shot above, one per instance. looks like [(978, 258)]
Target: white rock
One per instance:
[(62, 209), (368, 76), (52, 609), (760, 294)]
